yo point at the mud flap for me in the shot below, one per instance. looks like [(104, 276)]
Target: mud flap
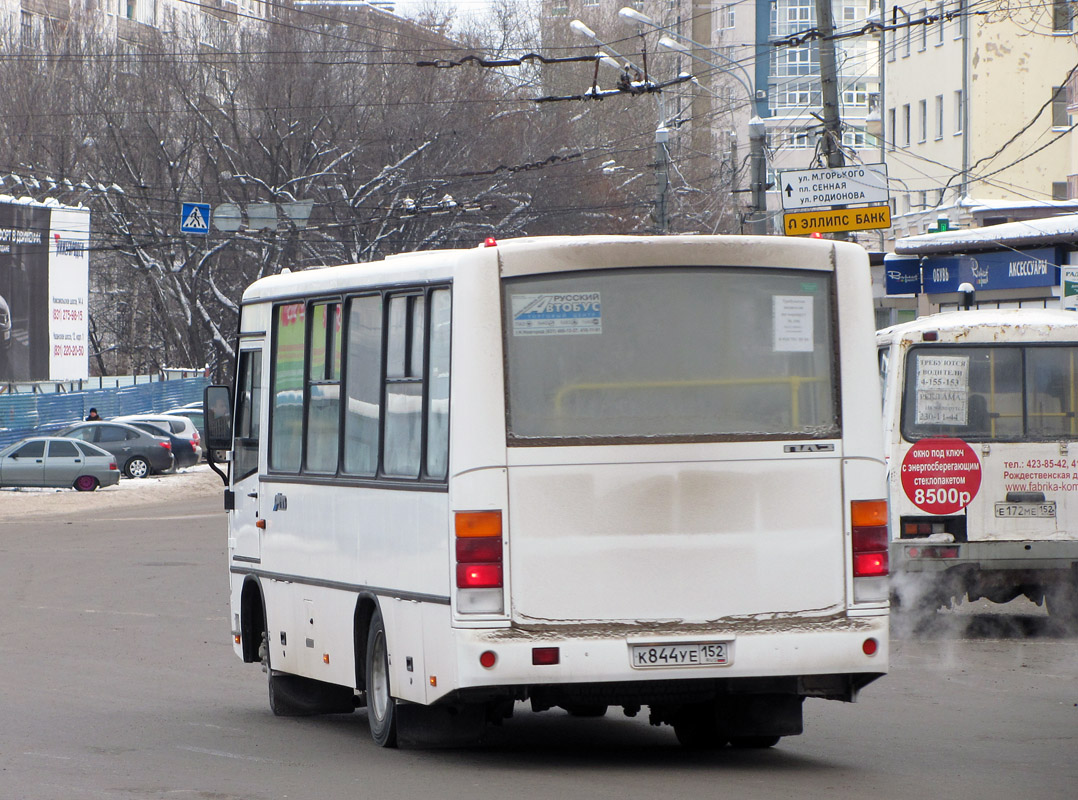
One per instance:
[(759, 715), (439, 726)]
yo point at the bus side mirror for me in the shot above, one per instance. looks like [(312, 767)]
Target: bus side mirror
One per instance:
[(217, 408)]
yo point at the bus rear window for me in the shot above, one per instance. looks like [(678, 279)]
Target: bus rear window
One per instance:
[(983, 393), (675, 353)]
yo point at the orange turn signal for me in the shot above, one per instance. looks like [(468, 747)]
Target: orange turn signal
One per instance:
[(471, 524)]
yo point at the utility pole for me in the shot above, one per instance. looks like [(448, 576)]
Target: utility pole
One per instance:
[(662, 177), (832, 120), (758, 174)]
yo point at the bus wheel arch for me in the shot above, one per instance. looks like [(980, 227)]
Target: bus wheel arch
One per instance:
[(365, 608), (253, 625)]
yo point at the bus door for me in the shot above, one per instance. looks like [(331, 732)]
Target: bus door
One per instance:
[(246, 541)]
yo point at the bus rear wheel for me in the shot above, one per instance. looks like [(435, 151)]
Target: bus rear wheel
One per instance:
[(381, 707)]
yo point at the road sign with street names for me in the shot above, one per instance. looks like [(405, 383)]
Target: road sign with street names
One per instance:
[(195, 218), (804, 223), (835, 186)]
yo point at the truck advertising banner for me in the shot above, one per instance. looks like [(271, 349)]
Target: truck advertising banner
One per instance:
[(44, 292)]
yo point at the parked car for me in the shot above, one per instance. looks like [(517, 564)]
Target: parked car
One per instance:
[(5, 324), (59, 462), (193, 413), (139, 453), (185, 438)]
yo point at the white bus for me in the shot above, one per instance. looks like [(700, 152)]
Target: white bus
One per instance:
[(981, 426), (582, 472)]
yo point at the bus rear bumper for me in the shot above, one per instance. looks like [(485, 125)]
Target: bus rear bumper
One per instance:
[(913, 555), (833, 658)]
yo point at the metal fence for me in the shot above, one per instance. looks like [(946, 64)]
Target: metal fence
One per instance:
[(28, 413)]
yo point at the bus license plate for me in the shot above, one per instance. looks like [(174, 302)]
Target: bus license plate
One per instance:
[(686, 654), (1026, 509)]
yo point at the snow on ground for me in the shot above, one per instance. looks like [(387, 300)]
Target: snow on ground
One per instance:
[(193, 482)]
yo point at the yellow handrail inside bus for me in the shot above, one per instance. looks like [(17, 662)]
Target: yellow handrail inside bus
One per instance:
[(794, 382)]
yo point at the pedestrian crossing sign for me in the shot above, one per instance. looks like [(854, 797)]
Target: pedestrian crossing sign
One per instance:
[(195, 218)]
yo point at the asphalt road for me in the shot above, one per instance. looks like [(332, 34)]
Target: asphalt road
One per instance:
[(118, 682)]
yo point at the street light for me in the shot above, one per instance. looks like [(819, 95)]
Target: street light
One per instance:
[(588, 33), (757, 129), (662, 134), (633, 15), (678, 47)]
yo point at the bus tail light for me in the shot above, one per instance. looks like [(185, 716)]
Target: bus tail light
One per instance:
[(478, 549), (871, 564)]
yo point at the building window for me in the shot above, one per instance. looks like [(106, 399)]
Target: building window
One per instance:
[(907, 33), (959, 18), (856, 139), (939, 116), (906, 125), (797, 141), (958, 110), (26, 29), (855, 95), (939, 23), (922, 120), (727, 18), (922, 33), (1060, 117), (1060, 190), (1061, 16), (559, 8), (890, 134)]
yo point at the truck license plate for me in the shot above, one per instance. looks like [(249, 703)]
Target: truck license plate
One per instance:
[(1008, 510), (685, 654)]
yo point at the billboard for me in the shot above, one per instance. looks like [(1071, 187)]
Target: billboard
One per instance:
[(44, 291)]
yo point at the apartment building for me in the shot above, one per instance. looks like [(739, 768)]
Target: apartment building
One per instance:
[(746, 67), (795, 126), (977, 118)]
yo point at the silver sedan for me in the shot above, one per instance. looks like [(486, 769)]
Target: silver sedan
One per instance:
[(57, 461)]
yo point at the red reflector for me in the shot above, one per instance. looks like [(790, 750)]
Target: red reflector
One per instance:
[(488, 659), (545, 656), (930, 336), (932, 552), (490, 241), (870, 565), (479, 550), (870, 647), (479, 576), (113, 465), (167, 445)]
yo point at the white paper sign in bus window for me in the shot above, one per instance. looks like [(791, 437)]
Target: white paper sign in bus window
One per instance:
[(792, 324), (942, 390), (553, 313)]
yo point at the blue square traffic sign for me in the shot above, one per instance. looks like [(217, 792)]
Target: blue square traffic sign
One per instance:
[(195, 218)]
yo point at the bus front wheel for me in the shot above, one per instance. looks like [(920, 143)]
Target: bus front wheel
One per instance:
[(381, 708)]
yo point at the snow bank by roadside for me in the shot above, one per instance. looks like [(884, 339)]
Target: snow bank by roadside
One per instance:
[(194, 482)]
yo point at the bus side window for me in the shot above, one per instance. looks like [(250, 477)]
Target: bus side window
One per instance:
[(438, 386), (404, 387), (363, 386), (286, 421), (323, 387), (248, 411)]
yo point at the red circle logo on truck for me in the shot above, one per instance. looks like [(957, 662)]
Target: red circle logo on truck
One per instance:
[(941, 476)]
